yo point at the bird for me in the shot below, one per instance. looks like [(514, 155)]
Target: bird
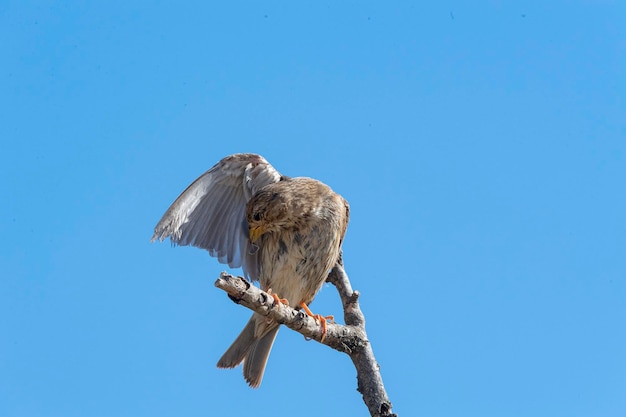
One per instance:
[(286, 233)]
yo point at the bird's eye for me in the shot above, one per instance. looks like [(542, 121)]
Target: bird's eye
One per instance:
[(257, 217)]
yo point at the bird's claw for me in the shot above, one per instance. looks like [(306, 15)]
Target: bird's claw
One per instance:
[(277, 300), (318, 317)]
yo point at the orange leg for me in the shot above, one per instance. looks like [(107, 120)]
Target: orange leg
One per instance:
[(319, 317), (277, 300)]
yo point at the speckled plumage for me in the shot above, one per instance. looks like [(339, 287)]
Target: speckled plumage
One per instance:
[(284, 232)]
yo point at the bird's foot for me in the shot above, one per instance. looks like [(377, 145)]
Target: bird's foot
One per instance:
[(277, 300), (322, 319)]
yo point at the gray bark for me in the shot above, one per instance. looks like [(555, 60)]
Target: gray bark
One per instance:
[(349, 338)]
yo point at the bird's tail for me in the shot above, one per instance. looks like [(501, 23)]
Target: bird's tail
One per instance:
[(251, 347)]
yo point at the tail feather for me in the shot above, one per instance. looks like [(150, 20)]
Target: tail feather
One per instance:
[(240, 347), (254, 349), (254, 366)]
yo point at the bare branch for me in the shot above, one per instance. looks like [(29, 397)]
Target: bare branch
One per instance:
[(349, 338), (339, 337)]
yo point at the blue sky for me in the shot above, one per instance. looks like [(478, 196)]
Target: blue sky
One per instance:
[(482, 148)]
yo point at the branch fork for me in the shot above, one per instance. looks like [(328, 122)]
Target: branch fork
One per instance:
[(349, 338)]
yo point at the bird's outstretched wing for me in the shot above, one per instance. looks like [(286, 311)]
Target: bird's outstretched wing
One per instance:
[(211, 213)]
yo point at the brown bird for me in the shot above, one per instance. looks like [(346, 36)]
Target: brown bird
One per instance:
[(284, 232)]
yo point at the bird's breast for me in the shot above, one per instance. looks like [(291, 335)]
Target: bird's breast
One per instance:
[(295, 263)]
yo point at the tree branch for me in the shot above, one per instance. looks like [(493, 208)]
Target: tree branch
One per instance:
[(349, 338)]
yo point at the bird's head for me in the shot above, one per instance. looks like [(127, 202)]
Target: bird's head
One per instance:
[(266, 212)]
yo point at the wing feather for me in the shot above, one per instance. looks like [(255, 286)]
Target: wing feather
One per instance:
[(210, 213)]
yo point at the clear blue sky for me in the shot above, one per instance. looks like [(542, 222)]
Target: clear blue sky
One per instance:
[(482, 147)]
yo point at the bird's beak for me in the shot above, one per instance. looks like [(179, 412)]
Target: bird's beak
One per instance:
[(255, 233)]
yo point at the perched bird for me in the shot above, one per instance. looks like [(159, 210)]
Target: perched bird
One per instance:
[(284, 232)]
